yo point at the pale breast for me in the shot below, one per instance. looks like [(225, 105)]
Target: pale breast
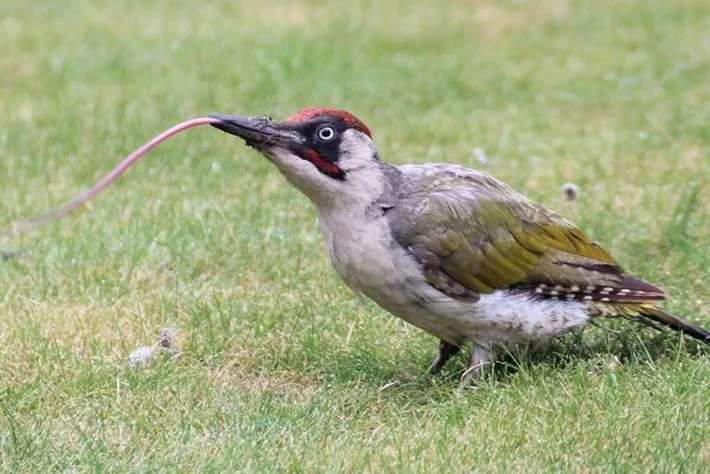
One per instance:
[(365, 256)]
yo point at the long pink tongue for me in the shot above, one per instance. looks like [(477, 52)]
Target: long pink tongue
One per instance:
[(28, 224)]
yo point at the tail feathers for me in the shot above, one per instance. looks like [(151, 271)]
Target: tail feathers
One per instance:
[(633, 289), (652, 313)]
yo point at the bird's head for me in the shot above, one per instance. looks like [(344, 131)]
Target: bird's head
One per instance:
[(326, 153)]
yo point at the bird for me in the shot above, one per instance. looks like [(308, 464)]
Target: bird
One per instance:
[(451, 250)]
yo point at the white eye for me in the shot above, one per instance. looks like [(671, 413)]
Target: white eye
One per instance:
[(326, 133)]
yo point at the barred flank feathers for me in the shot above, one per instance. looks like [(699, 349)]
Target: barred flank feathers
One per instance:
[(628, 290), (656, 314)]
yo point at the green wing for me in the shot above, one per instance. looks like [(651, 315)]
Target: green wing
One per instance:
[(473, 234)]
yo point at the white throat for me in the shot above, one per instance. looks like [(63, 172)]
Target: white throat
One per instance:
[(364, 180)]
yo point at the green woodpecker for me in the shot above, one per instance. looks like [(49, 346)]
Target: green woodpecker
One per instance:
[(448, 249)]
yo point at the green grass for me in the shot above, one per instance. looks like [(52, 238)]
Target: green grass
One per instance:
[(281, 367)]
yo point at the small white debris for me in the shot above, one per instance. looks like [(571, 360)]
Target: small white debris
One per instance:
[(481, 156), (145, 355), (141, 356), (643, 135), (570, 191)]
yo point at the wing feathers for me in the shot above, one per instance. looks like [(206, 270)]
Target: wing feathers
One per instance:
[(470, 229)]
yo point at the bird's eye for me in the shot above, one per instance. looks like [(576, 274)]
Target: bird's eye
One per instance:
[(325, 133)]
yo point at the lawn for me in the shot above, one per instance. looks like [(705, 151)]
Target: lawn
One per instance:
[(281, 368)]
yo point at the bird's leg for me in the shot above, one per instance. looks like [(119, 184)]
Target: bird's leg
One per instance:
[(446, 351), (480, 357)]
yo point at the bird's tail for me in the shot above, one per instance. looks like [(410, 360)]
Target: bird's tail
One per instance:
[(652, 313)]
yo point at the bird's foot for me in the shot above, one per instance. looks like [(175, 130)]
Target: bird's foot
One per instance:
[(480, 358), (446, 351)]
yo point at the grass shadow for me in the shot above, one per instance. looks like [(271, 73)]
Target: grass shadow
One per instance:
[(625, 346)]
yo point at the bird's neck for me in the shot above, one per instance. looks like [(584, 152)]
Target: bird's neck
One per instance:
[(362, 194)]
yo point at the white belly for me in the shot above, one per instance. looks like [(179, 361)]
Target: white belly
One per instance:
[(372, 264), (499, 318)]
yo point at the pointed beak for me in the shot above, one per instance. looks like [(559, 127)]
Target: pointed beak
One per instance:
[(255, 131)]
